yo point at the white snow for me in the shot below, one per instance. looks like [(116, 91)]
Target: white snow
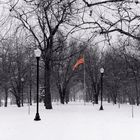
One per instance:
[(74, 121)]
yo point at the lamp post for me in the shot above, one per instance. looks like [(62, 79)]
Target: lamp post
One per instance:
[(37, 55), (102, 73), (22, 80)]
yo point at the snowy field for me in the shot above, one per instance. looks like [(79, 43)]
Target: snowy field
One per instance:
[(74, 121)]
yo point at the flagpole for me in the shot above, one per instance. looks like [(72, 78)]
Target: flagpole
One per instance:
[(84, 95), (79, 62)]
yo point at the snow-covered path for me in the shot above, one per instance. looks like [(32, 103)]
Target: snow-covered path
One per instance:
[(70, 122)]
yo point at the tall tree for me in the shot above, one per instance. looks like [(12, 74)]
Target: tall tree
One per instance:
[(5, 60), (63, 72), (42, 19), (92, 68)]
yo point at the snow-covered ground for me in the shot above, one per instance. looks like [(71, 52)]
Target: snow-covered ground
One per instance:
[(74, 121)]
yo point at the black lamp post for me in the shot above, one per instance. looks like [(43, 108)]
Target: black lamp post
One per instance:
[(102, 73), (22, 80), (37, 55)]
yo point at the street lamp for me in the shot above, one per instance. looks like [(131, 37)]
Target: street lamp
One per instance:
[(37, 55), (102, 73), (22, 80)]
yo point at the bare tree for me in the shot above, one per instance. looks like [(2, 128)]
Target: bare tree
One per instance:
[(92, 68), (111, 16), (5, 67), (42, 19), (63, 72), (132, 62), (114, 66)]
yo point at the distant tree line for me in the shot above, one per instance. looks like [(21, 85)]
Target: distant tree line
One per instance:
[(121, 76)]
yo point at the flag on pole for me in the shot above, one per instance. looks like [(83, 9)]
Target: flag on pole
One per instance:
[(79, 62)]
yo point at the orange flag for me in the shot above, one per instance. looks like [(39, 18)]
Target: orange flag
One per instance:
[(79, 61)]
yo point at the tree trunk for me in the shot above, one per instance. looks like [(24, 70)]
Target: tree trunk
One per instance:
[(18, 101), (137, 93), (96, 98), (62, 99), (22, 95), (108, 99), (6, 96), (30, 95), (62, 96), (67, 96), (0, 101), (131, 100), (115, 99), (30, 86), (96, 95), (137, 100), (47, 99)]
